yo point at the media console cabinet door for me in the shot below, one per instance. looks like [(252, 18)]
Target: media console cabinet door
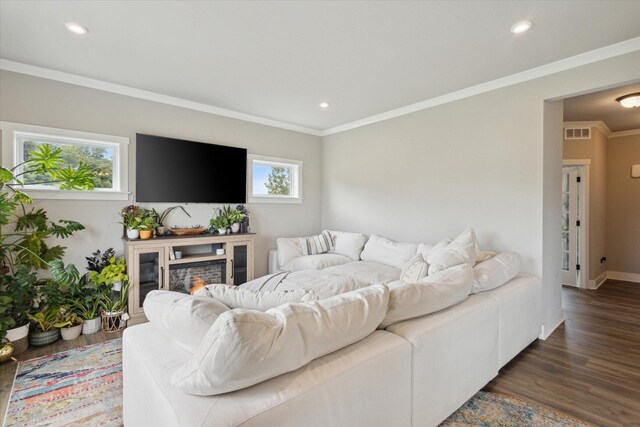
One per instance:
[(240, 262), (148, 274)]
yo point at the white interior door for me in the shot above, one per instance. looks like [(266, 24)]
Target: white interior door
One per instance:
[(570, 203)]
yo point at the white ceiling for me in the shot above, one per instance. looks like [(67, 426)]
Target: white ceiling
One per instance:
[(278, 60), (602, 106)]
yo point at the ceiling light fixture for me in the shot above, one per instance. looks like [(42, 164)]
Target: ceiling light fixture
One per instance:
[(630, 101), (521, 27), (324, 105), (76, 28)]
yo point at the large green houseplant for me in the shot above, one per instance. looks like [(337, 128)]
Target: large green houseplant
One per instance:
[(25, 230)]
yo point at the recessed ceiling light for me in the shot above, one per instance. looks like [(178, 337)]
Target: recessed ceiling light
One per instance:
[(521, 27), (76, 28), (630, 101), (324, 105)]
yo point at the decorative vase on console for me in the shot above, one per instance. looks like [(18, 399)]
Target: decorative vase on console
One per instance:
[(235, 227), (132, 233)]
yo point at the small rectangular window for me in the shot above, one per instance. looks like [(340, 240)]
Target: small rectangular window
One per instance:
[(273, 180), (106, 155)]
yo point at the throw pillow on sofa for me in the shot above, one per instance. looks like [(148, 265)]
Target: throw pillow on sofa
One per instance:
[(385, 251), (184, 318), (462, 250), (433, 293), (495, 272), (415, 269), (246, 347), (292, 247), (348, 244), (235, 297)]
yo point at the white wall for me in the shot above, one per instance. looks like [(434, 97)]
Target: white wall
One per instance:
[(36, 101), (485, 161)]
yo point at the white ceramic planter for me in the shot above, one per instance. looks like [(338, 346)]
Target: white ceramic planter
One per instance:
[(19, 337), (222, 231), (91, 326), (235, 227), (132, 234), (71, 333)]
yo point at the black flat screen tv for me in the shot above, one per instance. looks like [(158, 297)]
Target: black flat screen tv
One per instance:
[(173, 170)]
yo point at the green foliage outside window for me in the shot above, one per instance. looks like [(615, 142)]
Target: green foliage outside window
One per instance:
[(278, 182)]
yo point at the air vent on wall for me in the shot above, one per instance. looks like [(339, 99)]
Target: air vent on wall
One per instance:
[(577, 133)]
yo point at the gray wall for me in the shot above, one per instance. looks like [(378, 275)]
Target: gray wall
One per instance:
[(36, 101), (487, 161), (623, 205)]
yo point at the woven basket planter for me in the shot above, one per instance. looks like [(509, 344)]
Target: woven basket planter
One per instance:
[(43, 338), (112, 321)]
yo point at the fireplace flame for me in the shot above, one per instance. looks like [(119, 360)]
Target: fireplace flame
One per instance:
[(198, 284)]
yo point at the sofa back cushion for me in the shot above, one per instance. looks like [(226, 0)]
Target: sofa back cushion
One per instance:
[(348, 244), (433, 293), (246, 347), (495, 271), (235, 297), (462, 250), (315, 262), (386, 251), (184, 318)]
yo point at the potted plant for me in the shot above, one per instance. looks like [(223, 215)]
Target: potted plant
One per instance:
[(114, 309), (161, 217), (132, 220), (112, 276), (235, 218), (147, 225), (18, 291), (73, 323), (47, 323), (220, 223)]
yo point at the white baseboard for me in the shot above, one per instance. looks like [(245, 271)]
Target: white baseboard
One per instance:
[(627, 277), (595, 284), (546, 331)]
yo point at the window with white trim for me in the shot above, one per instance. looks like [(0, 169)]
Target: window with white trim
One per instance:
[(106, 155), (274, 180)]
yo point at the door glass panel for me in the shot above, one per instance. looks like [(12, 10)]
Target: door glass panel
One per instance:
[(565, 261), (149, 264), (239, 265)]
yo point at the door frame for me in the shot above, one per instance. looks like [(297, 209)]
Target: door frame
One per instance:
[(583, 209)]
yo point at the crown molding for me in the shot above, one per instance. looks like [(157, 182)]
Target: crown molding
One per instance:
[(625, 133), (586, 58), (602, 127), (46, 73)]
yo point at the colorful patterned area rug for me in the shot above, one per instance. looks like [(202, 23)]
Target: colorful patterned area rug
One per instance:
[(494, 409), (79, 387)]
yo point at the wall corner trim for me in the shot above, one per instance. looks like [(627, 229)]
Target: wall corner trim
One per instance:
[(546, 331)]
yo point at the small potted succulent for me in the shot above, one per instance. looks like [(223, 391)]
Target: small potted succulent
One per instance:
[(72, 322), (219, 223), (46, 326)]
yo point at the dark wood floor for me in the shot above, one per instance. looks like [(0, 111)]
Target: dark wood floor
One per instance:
[(590, 366), (8, 369)]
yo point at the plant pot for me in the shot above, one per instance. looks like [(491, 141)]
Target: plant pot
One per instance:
[(145, 234), (160, 231), (39, 338), (91, 326), (235, 227), (71, 333), (116, 286), (132, 234), (222, 231), (112, 321), (19, 337)]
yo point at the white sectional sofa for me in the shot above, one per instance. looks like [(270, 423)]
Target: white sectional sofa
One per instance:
[(414, 373)]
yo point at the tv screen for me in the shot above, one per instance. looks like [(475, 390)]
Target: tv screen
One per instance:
[(173, 170)]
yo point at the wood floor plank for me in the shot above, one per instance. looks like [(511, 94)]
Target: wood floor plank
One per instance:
[(590, 366)]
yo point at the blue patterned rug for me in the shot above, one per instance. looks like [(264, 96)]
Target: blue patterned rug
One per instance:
[(79, 387), (499, 410)]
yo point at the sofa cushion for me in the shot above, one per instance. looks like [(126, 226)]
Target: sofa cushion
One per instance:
[(495, 271), (433, 293), (246, 347), (415, 269), (319, 244), (425, 249), (288, 249), (235, 297), (386, 251), (183, 318), (315, 262), (462, 250), (348, 244), (365, 272)]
